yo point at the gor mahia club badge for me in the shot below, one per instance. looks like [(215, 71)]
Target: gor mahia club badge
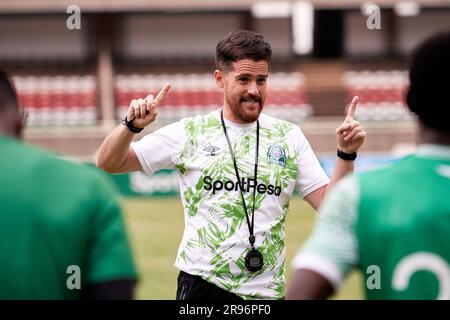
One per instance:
[(276, 155)]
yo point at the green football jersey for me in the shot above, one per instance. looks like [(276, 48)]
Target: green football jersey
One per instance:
[(394, 224), (60, 226)]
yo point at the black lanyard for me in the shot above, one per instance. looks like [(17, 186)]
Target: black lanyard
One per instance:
[(251, 238)]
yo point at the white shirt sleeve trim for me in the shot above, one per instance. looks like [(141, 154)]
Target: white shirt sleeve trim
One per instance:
[(315, 186), (323, 266)]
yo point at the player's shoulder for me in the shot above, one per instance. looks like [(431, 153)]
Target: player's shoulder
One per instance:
[(51, 165), (386, 170), (202, 122), (276, 123), (213, 116), (388, 178)]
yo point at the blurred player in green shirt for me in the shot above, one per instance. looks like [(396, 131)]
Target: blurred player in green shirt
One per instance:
[(62, 235), (392, 223)]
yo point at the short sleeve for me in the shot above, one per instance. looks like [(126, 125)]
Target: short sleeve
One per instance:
[(160, 149), (311, 175), (332, 248), (109, 253)]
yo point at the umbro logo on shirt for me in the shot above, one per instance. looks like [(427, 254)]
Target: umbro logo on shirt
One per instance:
[(211, 151)]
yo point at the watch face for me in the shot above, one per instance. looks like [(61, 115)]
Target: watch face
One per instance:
[(254, 260)]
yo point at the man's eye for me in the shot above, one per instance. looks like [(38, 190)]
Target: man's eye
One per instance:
[(243, 79), (262, 80)]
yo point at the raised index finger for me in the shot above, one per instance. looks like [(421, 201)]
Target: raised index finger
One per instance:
[(162, 94), (352, 108)]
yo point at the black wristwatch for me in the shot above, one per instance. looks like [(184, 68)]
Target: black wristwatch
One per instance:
[(346, 156), (130, 126)]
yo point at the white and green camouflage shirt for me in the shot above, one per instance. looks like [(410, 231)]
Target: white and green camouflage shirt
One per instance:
[(215, 239)]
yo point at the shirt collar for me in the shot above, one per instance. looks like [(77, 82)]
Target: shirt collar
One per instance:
[(232, 124), (434, 150)]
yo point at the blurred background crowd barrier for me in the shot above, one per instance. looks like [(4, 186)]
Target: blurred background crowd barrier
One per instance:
[(77, 65)]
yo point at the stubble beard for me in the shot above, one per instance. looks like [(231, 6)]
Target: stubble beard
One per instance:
[(241, 113)]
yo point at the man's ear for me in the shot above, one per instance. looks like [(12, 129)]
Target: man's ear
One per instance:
[(218, 75)]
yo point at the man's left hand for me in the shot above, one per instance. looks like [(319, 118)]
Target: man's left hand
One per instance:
[(350, 135)]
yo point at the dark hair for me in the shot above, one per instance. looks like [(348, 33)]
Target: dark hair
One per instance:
[(429, 72), (8, 96), (241, 44)]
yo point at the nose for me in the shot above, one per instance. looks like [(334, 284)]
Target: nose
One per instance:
[(252, 89)]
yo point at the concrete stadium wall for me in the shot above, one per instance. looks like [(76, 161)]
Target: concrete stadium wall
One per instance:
[(41, 38)]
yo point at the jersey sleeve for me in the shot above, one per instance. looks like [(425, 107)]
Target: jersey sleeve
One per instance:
[(109, 253), (160, 149), (311, 175), (332, 248)]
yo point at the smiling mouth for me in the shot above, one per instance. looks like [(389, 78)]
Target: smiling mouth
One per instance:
[(258, 101)]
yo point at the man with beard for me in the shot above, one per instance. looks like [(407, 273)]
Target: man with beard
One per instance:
[(238, 169)]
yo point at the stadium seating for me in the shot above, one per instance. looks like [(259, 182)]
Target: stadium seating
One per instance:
[(194, 94), (72, 100), (381, 94), (58, 100)]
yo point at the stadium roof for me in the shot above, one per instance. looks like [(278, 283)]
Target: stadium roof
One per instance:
[(38, 6)]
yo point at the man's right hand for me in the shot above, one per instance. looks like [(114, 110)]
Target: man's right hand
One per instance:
[(144, 111)]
